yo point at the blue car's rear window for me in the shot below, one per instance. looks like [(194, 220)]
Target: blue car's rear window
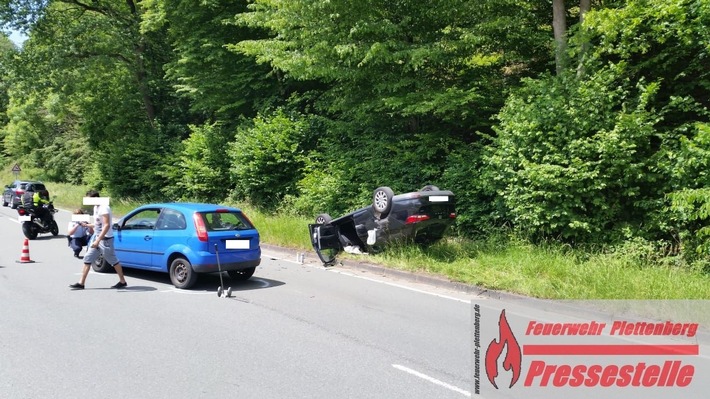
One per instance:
[(222, 221)]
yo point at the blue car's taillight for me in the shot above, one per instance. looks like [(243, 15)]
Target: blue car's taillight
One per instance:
[(200, 227)]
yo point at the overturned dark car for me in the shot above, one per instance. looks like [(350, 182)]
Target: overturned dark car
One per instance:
[(421, 217)]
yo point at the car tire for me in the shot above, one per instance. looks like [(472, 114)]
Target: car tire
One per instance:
[(375, 249), (100, 265), (382, 201), (13, 206), (429, 187), (4, 203), (243, 274), (181, 274), (323, 218)]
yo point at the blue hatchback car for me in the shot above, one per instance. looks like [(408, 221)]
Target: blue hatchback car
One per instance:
[(185, 239)]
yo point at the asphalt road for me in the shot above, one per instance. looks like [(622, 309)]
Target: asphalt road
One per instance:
[(293, 331)]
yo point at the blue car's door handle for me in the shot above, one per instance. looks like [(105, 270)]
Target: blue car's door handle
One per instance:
[(147, 238)]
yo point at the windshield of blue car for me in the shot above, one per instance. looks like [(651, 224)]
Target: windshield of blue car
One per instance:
[(220, 221)]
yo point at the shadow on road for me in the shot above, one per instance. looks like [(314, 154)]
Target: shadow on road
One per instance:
[(50, 237), (205, 282), (130, 288)]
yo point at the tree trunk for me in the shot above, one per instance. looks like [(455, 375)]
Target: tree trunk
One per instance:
[(559, 28), (140, 72), (584, 7), (142, 80)]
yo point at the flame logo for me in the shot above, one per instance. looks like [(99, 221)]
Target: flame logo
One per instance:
[(513, 358)]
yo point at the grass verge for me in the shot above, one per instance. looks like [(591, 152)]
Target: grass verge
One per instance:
[(550, 271), (547, 271)]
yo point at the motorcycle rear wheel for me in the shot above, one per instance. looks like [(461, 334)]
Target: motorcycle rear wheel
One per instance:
[(29, 230)]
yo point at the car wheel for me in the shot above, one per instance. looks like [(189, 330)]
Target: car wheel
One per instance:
[(241, 275), (181, 273), (323, 218), (375, 249), (100, 265), (4, 203), (429, 187), (13, 206), (382, 201)]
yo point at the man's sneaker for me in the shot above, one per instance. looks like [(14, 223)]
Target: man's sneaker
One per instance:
[(76, 286), (119, 285)]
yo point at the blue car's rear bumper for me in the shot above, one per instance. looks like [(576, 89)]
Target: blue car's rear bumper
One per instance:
[(227, 262)]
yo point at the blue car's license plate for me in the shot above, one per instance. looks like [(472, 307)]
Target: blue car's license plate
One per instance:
[(237, 244)]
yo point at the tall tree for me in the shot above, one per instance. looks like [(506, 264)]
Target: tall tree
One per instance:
[(584, 7), (619, 138), (119, 23), (108, 73), (559, 29), (429, 62), (221, 85), (7, 53)]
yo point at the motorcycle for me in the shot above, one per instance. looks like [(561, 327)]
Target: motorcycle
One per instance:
[(32, 223)]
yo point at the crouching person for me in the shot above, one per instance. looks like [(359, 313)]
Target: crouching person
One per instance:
[(78, 233)]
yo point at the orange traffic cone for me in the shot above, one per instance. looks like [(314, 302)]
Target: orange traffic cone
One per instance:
[(25, 256)]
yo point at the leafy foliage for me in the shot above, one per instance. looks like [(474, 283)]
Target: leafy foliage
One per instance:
[(433, 63), (691, 205), (580, 172), (220, 85), (201, 170), (479, 212), (132, 166), (7, 52), (266, 157), (308, 106)]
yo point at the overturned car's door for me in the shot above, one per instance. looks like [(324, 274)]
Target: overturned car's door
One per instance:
[(326, 242)]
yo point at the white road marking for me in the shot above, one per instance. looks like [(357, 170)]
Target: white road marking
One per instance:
[(468, 301), (432, 380)]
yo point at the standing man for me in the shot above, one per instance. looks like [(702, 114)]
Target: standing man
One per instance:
[(101, 245)]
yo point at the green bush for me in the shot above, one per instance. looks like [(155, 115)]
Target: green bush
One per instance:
[(691, 205), (476, 209), (574, 159), (201, 169), (322, 190), (134, 166), (266, 158)]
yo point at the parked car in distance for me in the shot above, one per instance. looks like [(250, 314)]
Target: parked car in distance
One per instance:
[(421, 217), (12, 195), (186, 239)]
